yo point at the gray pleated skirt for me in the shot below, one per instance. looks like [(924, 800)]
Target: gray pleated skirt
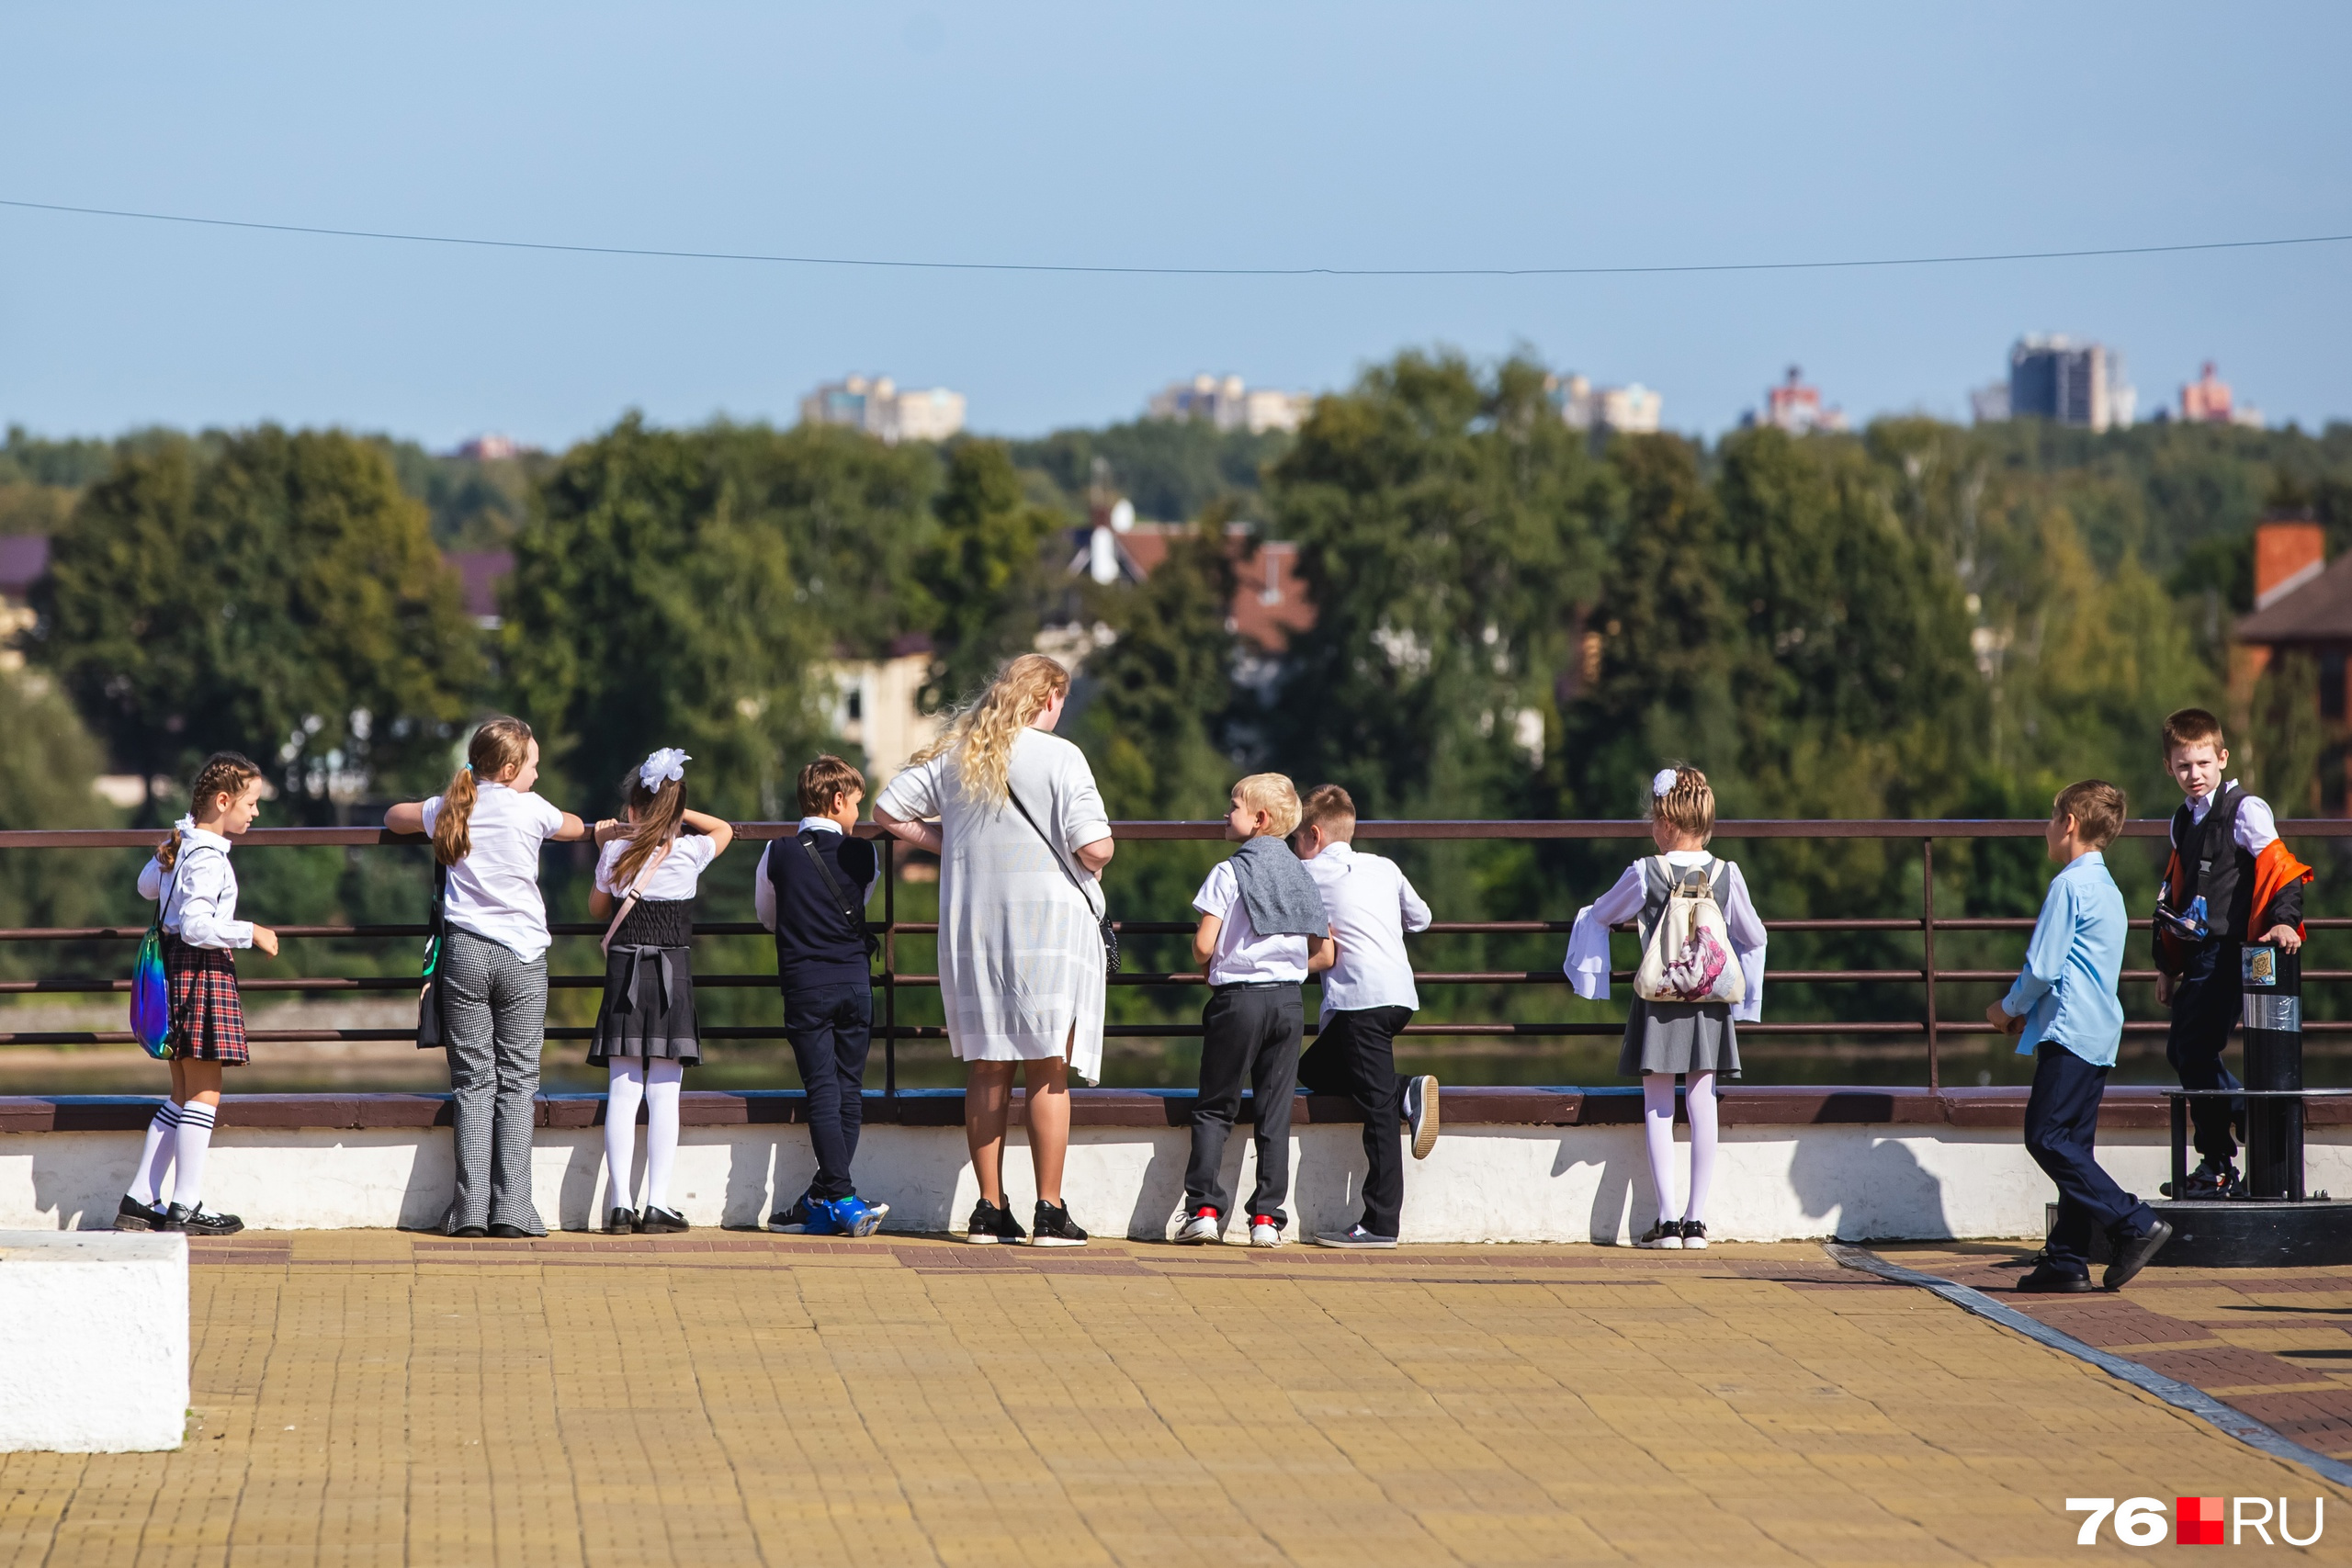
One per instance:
[(649, 1008), (1679, 1037)]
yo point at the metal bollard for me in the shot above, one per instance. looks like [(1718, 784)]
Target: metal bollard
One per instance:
[(2272, 1013)]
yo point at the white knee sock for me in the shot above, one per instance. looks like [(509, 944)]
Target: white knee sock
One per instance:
[(623, 1095), (155, 1159), (663, 1080), (1699, 1100), (1657, 1131), (195, 1137)]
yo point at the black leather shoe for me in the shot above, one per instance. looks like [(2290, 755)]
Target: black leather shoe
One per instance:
[(2046, 1282), (134, 1215), (662, 1221), (469, 1232), (200, 1221), (2132, 1254), (509, 1233), (621, 1221)]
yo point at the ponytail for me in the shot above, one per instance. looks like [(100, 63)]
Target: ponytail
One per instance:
[(500, 745), (224, 772)]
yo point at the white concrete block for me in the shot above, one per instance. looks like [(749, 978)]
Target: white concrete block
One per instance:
[(98, 1341)]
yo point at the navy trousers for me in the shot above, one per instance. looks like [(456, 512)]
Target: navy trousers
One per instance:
[(2060, 1123), (1356, 1055), (831, 1028), (2205, 1005)]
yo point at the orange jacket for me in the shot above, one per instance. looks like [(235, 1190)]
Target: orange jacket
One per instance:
[(2275, 869)]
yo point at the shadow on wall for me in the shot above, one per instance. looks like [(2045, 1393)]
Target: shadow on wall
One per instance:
[(1876, 1185), (1613, 1217)]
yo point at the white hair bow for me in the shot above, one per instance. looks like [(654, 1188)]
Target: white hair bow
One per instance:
[(667, 763), (1664, 780)]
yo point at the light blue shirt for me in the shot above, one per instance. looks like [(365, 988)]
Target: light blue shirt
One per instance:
[(2067, 990)]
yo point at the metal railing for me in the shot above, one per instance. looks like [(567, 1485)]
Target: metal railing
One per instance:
[(1930, 1029)]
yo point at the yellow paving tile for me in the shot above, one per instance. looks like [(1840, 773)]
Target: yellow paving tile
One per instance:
[(374, 1398)]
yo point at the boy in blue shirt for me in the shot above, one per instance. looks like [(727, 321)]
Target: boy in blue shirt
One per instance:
[(2066, 1010)]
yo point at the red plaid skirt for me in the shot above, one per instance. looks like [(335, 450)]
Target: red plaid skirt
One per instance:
[(207, 1021)]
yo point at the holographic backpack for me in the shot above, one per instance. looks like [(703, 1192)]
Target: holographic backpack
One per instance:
[(151, 988)]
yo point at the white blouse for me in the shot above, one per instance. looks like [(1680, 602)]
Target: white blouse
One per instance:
[(675, 878), (495, 891), (1586, 965), (201, 908)]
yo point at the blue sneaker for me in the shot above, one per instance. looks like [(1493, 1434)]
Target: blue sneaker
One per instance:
[(808, 1217), (855, 1216)]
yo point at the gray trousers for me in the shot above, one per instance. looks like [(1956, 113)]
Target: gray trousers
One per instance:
[(494, 1006), (1247, 1032)]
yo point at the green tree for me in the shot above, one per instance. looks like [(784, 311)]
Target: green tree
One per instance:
[(1163, 690), (46, 773), (987, 571), (1169, 468), (272, 592), (652, 606)]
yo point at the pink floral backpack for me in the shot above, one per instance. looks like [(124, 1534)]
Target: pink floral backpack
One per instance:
[(1689, 957)]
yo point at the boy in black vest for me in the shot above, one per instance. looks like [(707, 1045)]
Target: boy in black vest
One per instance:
[(2231, 881), (811, 891)]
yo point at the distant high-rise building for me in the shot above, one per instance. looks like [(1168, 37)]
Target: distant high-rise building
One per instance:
[(1227, 404), (1794, 407), (2207, 401), (877, 406), (2070, 383), (1632, 409)]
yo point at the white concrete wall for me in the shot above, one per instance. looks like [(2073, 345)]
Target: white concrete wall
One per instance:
[(1483, 1183), (98, 1342)]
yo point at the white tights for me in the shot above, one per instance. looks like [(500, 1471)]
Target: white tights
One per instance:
[(1658, 1127), (655, 1085)]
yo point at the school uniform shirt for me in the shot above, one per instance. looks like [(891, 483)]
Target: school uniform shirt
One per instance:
[(2256, 829), (675, 879), (1586, 965), (2065, 993), (495, 891), (764, 887), (201, 908), (1371, 906), (1242, 956)]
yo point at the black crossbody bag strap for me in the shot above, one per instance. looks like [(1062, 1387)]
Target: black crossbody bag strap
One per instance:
[(841, 897), (1102, 922)]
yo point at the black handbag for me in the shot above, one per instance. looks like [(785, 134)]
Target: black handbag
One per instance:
[(431, 1032), (1110, 932)]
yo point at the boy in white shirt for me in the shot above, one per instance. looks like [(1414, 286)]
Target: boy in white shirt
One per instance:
[(1263, 931), (1368, 997)]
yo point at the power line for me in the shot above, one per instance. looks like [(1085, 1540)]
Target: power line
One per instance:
[(888, 261)]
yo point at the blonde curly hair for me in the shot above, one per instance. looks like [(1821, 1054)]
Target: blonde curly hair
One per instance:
[(979, 737)]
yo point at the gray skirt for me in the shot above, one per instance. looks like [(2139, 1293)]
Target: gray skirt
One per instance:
[(648, 1009), (1679, 1037)]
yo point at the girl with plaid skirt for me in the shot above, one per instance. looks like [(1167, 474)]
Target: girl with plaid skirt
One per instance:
[(190, 874)]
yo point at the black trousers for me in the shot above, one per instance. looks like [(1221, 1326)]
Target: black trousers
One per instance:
[(831, 1028), (1247, 1032), (1356, 1055), (2060, 1123), (2205, 1005)]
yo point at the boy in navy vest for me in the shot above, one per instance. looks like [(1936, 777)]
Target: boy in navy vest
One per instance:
[(811, 891), (2231, 881)]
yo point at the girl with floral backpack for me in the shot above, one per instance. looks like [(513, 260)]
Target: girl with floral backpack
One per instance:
[(1702, 973)]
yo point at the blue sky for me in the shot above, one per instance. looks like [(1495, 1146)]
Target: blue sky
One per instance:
[(1304, 134)]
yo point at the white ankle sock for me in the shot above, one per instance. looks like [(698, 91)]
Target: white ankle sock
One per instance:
[(1657, 1132), (195, 1138), (623, 1092), (1698, 1102), (663, 1080), (156, 1158)]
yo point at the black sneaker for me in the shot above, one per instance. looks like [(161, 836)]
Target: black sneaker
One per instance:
[(134, 1215), (2048, 1281), (621, 1221), (2132, 1254), (1695, 1235), (992, 1224), (662, 1221), (2211, 1179), (1664, 1236), (1052, 1226), (199, 1222), (793, 1220)]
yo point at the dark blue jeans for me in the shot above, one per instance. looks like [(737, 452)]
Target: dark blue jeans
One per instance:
[(2205, 1005), (2061, 1124), (831, 1028)]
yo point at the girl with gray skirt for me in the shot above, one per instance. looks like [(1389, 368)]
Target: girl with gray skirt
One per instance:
[(1696, 1039), (487, 827), (646, 1033)]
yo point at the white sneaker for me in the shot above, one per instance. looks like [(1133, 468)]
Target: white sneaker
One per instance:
[(1205, 1226), (1420, 1114), (1263, 1231), (1664, 1236)]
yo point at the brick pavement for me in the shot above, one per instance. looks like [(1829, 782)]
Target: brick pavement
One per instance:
[(2276, 1343), (369, 1397)]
